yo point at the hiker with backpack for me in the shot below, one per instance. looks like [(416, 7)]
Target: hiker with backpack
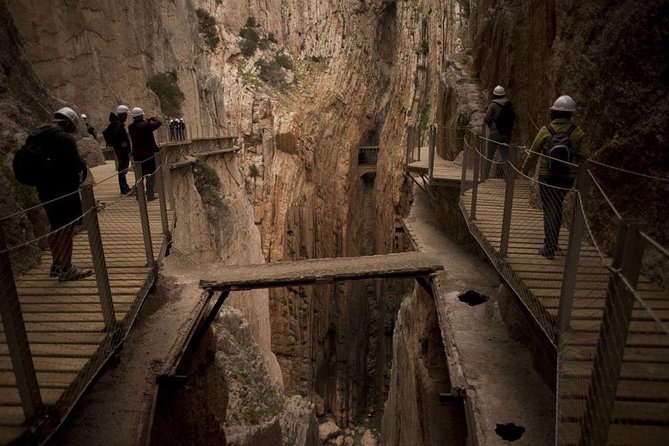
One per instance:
[(117, 138), (500, 118), (562, 146), (50, 161)]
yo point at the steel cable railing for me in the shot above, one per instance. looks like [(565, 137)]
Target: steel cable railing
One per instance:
[(57, 333), (608, 321)]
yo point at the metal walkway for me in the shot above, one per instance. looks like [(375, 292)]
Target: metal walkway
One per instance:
[(607, 323), (64, 321)]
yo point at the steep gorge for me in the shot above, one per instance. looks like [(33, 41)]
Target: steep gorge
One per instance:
[(364, 70)]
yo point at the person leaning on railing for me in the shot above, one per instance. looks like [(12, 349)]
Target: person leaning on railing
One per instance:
[(554, 182), (57, 191)]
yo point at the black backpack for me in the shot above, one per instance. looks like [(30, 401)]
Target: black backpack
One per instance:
[(506, 119), (107, 135), (560, 151), (32, 163)]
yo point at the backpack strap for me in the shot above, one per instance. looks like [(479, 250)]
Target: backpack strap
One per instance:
[(571, 129), (550, 129)]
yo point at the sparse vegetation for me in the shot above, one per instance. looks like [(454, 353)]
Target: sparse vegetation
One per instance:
[(284, 61), (253, 171), (207, 26), (165, 86), (250, 39), (271, 72), (424, 117)]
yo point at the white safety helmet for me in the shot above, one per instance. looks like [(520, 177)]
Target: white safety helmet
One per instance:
[(122, 110), (499, 91), (136, 112), (66, 114), (83, 116), (564, 103)]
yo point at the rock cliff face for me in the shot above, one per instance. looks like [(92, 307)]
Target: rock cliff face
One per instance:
[(361, 71)]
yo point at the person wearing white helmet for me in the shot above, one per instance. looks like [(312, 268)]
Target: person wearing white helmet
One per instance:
[(500, 118), (57, 189), (89, 128), (117, 138), (561, 146), (144, 146)]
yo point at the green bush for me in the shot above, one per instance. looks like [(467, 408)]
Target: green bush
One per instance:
[(284, 60), (207, 26), (251, 22), (165, 86), (271, 72), (250, 41), (272, 38), (425, 116)]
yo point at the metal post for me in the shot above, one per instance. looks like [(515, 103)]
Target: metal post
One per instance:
[(98, 255), (475, 180), (17, 339), (573, 251), (613, 336), (409, 143), (508, 207), (143, 213), (430, 155), (465, 150), (160, 159)]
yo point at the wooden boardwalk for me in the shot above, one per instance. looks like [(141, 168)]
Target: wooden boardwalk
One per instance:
[(64, 319), (445, 172), (641, 412)]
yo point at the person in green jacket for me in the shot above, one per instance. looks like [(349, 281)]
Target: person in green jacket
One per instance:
[(555, 178)]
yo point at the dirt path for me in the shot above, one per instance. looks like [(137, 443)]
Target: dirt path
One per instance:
[(497, 369)]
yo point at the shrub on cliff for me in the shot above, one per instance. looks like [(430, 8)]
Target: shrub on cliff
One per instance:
[(207, 26), (165, 86), (284, 60), (271, 72)]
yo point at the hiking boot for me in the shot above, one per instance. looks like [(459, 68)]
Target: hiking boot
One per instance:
[(151, 197), (73, 273), (545, 252), (54, 271)]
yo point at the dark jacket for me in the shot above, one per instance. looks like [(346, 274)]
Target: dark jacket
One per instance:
[(117, 136), (492, 113), (141, 135), (66, 171)]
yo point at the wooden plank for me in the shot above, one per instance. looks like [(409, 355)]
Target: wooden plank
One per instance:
[(44, 379), (407, 264), (9, 396), (49, 364), (70, 307), (638, 371), (632, 354), (623, 411), (621, 434), (62, 338), (54, 350), (633, 340), (627, 390)]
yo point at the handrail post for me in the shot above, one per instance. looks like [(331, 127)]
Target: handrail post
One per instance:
[(409, 143), (430, 155), (508, 206), (160, 158), (613, 335), (573, 251), (465, 150), (143, 213), (17, 339), (98, 255), (475, 181)]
